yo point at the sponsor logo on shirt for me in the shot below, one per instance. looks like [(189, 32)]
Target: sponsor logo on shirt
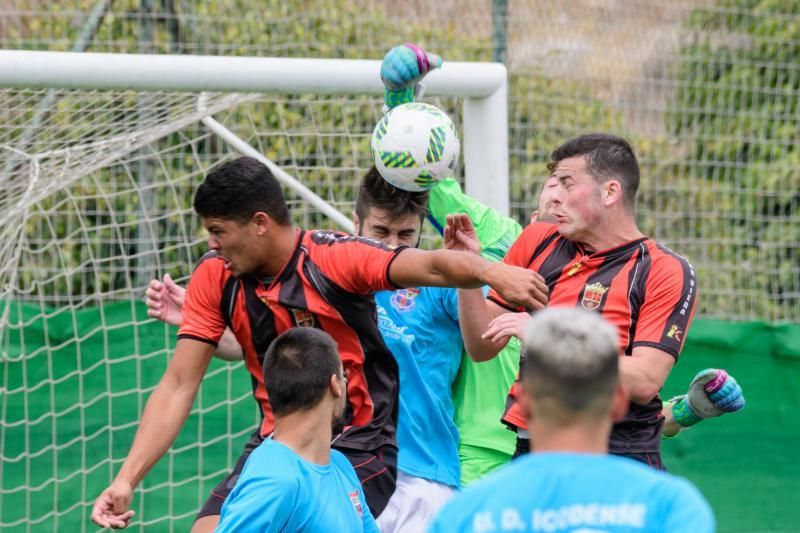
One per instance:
[(356, 501), (390, 330), (593, 296), (403, 299), (675, 333)]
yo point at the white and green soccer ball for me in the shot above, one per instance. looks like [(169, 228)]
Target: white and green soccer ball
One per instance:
[(414, 146)]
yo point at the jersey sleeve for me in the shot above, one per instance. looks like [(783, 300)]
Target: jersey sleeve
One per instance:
[(261, 504), (496, 232), (357, 264), (367, 520), (202, 315), (522, 253), (668, 306)]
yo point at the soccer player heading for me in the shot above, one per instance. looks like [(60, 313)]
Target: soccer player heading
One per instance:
[(428, 354), (264, 276), (596, 258), (293, 481), (572, 382)]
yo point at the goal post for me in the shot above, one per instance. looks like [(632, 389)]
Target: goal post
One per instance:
[(483, 86), (81, 231)]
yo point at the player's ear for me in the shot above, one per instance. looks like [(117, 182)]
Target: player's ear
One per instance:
[(336, 386), (356, 223), (620, 403), (612, 192), (262, 222)]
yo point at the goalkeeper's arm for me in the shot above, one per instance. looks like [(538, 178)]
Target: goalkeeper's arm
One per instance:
[(402, 69), (713, 392)]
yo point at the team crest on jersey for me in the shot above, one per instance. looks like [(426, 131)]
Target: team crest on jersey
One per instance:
[(303, 318), (356, 501), (403, 299), (593, 296)]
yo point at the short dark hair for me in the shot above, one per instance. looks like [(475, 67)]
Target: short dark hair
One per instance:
[(374, 191), (607, 157), (297, 369), (238, 189)]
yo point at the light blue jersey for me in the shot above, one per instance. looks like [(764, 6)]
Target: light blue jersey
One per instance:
[(567, 492), (420, 327), (280, 491)]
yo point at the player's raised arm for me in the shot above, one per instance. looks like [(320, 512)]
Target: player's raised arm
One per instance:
[(449, 268), (164, 415)]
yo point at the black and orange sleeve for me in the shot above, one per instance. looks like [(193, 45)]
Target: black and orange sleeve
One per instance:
[(669, 304), (202, 315), (521, 254), (357, 264)]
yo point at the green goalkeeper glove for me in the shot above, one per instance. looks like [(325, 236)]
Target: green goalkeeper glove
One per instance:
[(402, 69), (712, 393)]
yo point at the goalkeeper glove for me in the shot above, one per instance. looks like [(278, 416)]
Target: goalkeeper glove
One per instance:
[(402, 69), (712, 393)]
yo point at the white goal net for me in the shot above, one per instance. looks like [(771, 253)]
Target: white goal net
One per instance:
[(97, 200)]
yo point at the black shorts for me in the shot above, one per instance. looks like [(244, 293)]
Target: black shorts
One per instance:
[(652, 459), (377, 471)]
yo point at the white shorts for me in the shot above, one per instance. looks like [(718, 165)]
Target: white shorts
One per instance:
[(413, 505)]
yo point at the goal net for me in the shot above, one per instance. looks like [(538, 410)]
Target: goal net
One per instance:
[(97, 200)]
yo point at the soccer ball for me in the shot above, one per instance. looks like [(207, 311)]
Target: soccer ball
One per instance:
[(414, 146)]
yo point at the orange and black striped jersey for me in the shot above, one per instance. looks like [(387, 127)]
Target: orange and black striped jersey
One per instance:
[(644, 289), (328, 283)]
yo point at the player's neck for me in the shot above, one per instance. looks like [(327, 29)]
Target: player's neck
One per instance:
[(306, 433), (576, 438), (608, 236), (281, 247)]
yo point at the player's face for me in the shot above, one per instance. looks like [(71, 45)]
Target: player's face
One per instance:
[(576, 205), (377, 225), (235, 242), (547, 200)]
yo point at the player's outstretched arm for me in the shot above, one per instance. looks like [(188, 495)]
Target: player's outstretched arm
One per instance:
[(448, 268), (163, 417), (164, 301), (403, 67), (713, 392)]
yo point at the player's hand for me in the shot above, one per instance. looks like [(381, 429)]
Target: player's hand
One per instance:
[(165, 301), (460, 235), (517, 285), (112, 507), (405, 65), (713, 392), (505, 326)]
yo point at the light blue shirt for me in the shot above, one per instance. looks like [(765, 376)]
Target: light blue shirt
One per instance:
[(280, 491), (421, 329), (563, 492)]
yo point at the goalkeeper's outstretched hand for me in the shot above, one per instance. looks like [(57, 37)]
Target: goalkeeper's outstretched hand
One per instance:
[(713, 392), (402, 68)]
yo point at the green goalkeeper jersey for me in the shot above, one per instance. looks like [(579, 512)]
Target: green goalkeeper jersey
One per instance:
[(480, 390)]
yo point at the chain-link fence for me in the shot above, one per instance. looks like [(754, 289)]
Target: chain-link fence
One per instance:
[(707, 91)]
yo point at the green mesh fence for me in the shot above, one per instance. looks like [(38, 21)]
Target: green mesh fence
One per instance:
[(68, 415)]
